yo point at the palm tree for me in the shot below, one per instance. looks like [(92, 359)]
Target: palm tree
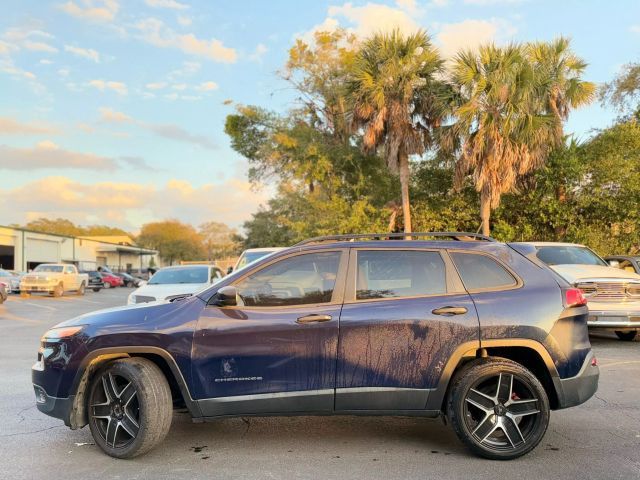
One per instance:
[(394, 95), (502, 131), (563, 87)]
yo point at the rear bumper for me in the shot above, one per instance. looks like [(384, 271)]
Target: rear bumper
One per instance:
[(576, 390), (613, 319)]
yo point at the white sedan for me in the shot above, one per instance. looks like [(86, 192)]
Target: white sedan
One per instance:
[(172, 282)]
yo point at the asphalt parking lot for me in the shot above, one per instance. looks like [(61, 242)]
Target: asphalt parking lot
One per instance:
[(600, 439)]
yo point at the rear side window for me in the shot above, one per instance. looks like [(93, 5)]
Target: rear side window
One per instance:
[(399, 273), (479, 272)]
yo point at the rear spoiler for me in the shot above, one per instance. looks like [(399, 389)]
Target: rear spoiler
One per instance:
[(529, 252)]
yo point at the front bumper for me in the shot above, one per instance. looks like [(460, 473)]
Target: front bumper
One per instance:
[(577, 390), (39, 287), (53, 406), (613, 319)]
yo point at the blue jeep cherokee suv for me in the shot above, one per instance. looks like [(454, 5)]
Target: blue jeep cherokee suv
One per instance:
[(453, 324)]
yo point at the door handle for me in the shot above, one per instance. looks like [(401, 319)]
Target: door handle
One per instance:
[(314, 318), (449, 311)]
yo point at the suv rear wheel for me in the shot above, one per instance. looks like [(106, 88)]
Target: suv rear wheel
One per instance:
[(130, 407), (498, 409)]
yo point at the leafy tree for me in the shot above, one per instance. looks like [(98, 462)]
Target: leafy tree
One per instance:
[(624, 91), (173, 240), (218, 240), (502, 130), (391, 77), (63, 226)]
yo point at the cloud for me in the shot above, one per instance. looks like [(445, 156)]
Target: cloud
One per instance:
[(156, 33), (156, 85), (9, 67), (258, 53), (11, 126), (486, 3), (109, 115), (185, 20), (39, 46), (367, 19), (469, 34), (207, 86), (138, 163), (634, 28), (102, 85), (175, 132), (47, 154), (172, 4), (172, 132), (92, 10), (87, 53), (129, 204), (45, 61)]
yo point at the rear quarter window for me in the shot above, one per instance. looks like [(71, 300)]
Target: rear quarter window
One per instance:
[(481, 272)]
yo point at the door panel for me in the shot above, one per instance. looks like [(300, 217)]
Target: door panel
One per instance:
[(260, 351), (392, 352), (276, 351), (393, 344)]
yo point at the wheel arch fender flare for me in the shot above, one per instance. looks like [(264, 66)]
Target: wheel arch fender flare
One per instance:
[(96, 358)]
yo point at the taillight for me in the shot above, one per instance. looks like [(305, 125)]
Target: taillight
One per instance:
[(574, 298)]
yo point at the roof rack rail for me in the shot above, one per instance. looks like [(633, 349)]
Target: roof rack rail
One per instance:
[(458, 236)]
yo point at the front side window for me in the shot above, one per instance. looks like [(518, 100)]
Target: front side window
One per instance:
[(479, 272), (301, 280), (399, 273)]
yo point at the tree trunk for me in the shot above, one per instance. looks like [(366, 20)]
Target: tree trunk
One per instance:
[(485, 211), (404, 187)]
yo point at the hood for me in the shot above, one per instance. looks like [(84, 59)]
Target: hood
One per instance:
[(573, 273), (160, 292)]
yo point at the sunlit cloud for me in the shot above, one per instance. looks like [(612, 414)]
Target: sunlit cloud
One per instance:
[(48, 155), (155, 32), (130, 204), (172, 4), (469, 34), (88, 53), (11, 126), (102, 85), (92, 10)]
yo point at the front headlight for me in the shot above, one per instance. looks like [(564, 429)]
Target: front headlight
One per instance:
[(59, 333)]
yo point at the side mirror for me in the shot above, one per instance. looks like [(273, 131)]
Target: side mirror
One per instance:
[(614, 263), (226, 297), (229, 270)]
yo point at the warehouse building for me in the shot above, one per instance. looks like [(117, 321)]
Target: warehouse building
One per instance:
[(23, 250)]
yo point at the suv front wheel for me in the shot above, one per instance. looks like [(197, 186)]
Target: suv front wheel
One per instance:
[(129, 407), (498, 409)]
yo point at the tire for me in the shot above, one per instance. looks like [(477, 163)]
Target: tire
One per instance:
[(58, 291), (136, 420), (498, 426), (106, 285), (96, 289), (81, 290), (626, 336)]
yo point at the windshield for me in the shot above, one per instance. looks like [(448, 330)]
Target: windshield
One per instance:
[(180, 275), (249, 257), (569, 255), (49, 268)]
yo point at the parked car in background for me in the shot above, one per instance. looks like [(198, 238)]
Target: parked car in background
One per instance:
[(624, 262), (613, 293), (345, 325), (129, 280), (111, 280), (251, 255), (173, 282), (15, 281), (96, 282), (3, 292), (54, 279), (11, 281)]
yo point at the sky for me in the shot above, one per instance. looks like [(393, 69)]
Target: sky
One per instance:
[(112, 111)]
